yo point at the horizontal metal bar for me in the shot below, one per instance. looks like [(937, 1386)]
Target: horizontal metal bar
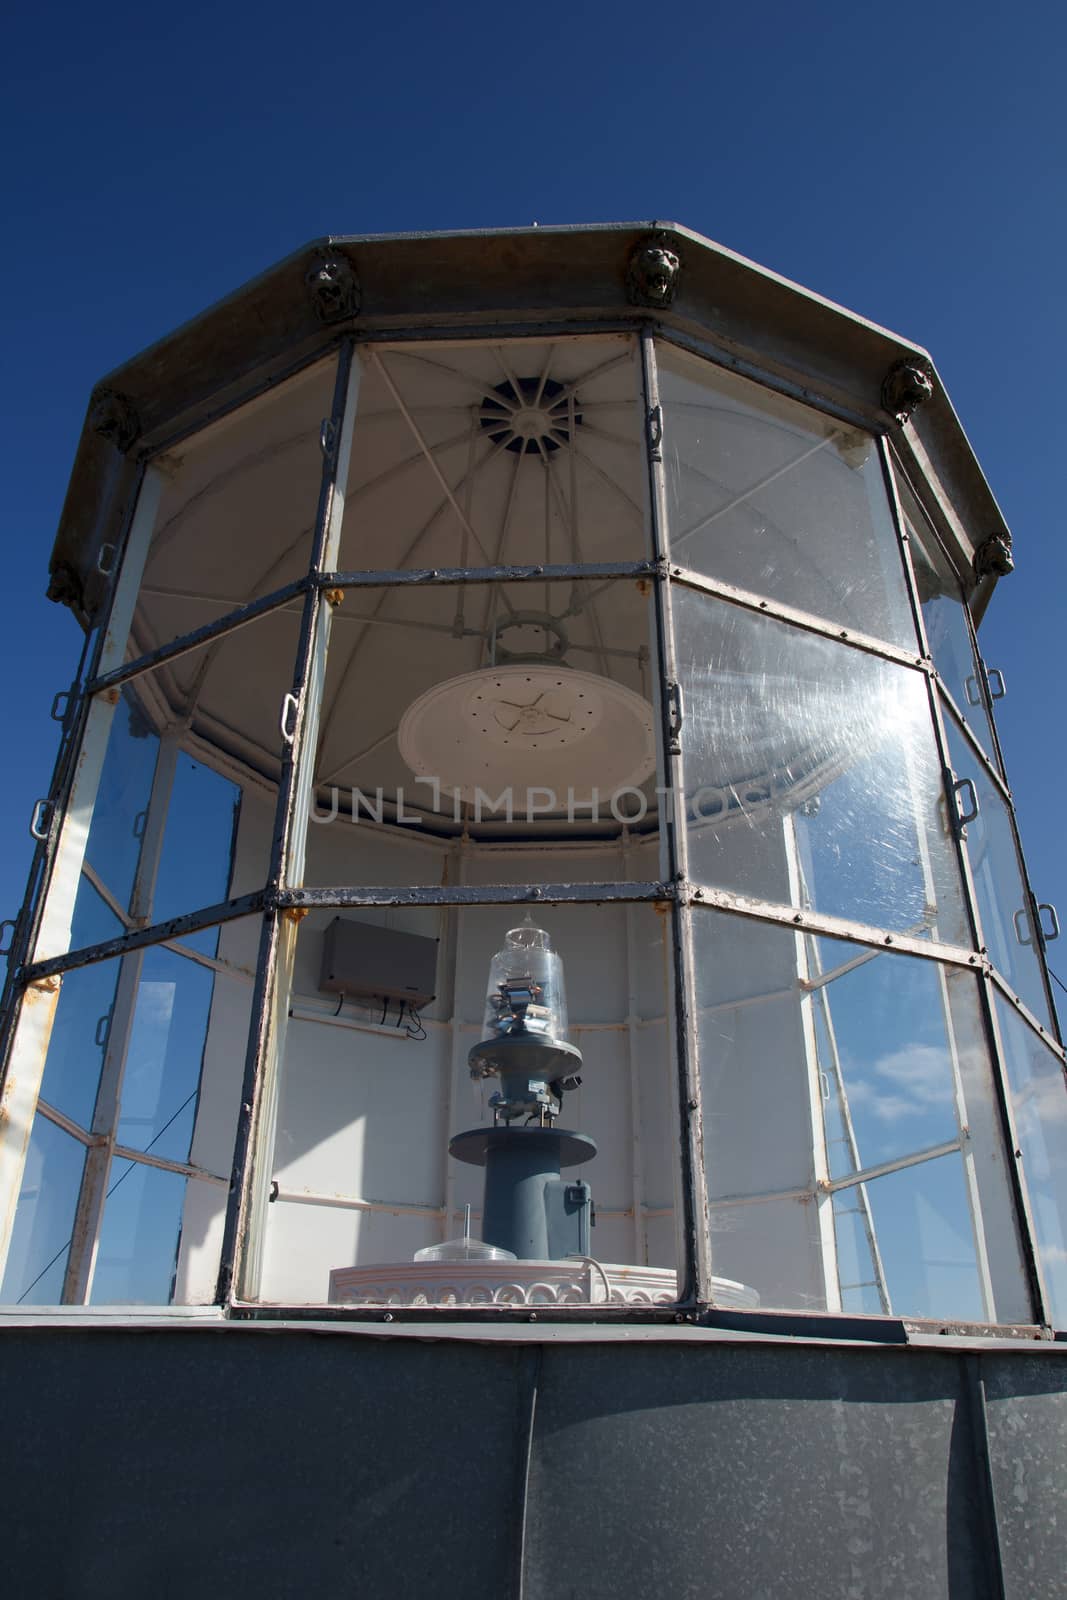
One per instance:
[(159, 933), (184, 1169), (227, 969), (809, 921), (229, 623), (549, 573), (106, 896), (506, 894), (1022, 1009), (721, 1202), (345, 1202), (883, 1168), (806, 620), (809, 985), (68, 1125)]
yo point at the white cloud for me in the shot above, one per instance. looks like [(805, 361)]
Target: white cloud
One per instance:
[(905, 1083)]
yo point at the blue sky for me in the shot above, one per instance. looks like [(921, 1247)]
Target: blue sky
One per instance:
[(908, 163)]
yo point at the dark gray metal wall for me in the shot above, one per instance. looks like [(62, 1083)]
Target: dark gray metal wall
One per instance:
[(275, 1464)]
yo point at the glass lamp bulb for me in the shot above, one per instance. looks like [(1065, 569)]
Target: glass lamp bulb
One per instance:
[(526, 993)]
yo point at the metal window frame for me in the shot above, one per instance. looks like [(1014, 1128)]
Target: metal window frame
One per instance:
[(278, 902), (1012, 1149)]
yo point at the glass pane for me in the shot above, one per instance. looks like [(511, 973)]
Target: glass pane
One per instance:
[(143, 1236), (473, 455), (237, 514), (1003, 902), (517, 714), (1039, 1100), (44, 1221), (79, 1032), (116, 831), (889, 1084), (163, 1032), (926, 1242), (181, 1012), (820, 1060), (775, 498), (812, 775), (945, 618), (373, 1089), (197, 856), (208, 834)]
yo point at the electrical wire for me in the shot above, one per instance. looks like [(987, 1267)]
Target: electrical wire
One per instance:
[(1060, 981)]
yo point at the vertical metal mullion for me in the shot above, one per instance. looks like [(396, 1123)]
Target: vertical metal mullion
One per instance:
[(696, 1285), (26, 922), (242, 1237), (820, 1159), (633, 1063), (89, 1216), (29, 1027), (896, 511)]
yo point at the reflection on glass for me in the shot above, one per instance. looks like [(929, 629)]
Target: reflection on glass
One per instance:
[(822, 1061), (120, 811), (474, 455), (888, 1062), (1039, 1102), (237, 513), (171, 1027), (772, 497), (945, 619), (165, 1053), (1003, 900), (197, 856), (83, 1015), (139, 1239), (206, 833), (517, 712), (812, 775), (44, 1221), (924, 1227)]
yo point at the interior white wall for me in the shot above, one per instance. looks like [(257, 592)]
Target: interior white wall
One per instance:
[(367, 1114)]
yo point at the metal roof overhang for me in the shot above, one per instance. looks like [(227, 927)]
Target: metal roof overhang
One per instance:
[(497, 283)]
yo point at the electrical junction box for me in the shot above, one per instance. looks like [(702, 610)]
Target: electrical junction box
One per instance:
[(369, 962)]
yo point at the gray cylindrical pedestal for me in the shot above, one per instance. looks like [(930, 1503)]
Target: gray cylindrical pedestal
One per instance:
[(518, 1163)]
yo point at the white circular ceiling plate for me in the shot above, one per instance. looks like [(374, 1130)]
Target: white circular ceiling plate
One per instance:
[(530, 727)]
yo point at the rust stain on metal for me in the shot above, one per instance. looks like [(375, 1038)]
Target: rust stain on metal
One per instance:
[(295, 913), (43, 987)]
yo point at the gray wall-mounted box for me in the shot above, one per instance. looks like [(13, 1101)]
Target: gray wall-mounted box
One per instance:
[(373, 963)]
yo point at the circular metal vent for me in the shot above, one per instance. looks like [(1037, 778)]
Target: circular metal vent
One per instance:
[(524, 727), (529, 415)]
